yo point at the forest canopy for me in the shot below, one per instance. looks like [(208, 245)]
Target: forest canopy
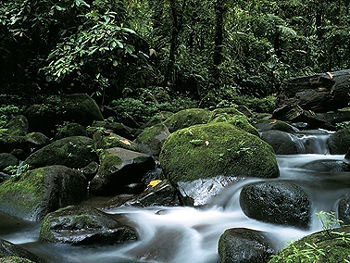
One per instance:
[(205, 50)]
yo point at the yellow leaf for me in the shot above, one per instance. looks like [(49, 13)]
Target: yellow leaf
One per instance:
[(154, 183), (273, 121), (126, 142)]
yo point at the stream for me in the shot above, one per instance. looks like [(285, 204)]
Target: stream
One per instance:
[(186, 234)]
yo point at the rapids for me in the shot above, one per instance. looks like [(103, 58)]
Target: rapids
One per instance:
[(187, 234)]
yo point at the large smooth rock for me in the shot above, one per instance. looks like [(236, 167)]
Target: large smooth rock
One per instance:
[(325, 166), (187, 118), (344, 209), (40, 191), (214, 149), (339, 142), (241, 245), (82, 225), (282, 142), (234, 117), (201, 192), (335, 249), (79, 108), (7, 249), (74, 152), (151, 139), (118, 168), (276, 202), (7, 159)]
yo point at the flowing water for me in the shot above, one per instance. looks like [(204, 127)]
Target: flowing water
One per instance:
[(186, 234)]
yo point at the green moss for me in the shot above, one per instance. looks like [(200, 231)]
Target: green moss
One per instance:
[(23, 194), (153, 137), (221, 149), (332, 243), (85, 221), (260, 105), (234, 117), (187, 118), (15, 260), (104, 140), (45, 230), (110, 163)]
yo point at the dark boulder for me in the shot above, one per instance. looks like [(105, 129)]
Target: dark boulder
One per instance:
[(37, 140), (325, 166), (241, 245), (118, 168), (111, 126), (90, 170), (6, 160), (7, 249), (152, 138), (37, 192), (339, 142), (82, 225), (69, 129), (344, 209), (79, 108), (276, 202), (73, 152), (281, 142), (267, 125)]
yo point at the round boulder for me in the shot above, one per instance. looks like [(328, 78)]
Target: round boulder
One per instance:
[(73, 152), (344, 210), (276, 202), (240, 245), (151, 139), (210, 150), (282, 142), (339, 142), (6, 160), (69, 129), (81, 226), (37, 192)]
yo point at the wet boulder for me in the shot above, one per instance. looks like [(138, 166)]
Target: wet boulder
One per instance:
[(6, 160), (268, 125), (325, 166), (106, 139), (334, 246), (69, 129), (234, 117), (200, 192), (158, 193), (151, 139), (14, 252), (214, 149), (187, 118), (118, 168), (339, 142), (79, 108), (282, 142), (276, 202), (344, 209), (241, 245), (37, 192), (73, 152), (82, 225)]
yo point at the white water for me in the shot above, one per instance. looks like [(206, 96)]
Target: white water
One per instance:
[(187, 235)]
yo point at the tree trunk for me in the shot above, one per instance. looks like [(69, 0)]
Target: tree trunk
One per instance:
[(219, 39)]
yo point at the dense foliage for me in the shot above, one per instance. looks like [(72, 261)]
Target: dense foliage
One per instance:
[(207, 50)]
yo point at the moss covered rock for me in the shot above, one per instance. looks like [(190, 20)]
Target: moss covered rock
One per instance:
[(37, 139), (18, 126), (6, 160), (240, 245), (114, 127), (69, 129), (334, 245), (187, 118), (214, 149), (15, 260), (106, 139), (234, 117), (9, 250), (37, 192), (151, 139), (79, 108), (118, 168), (82, 225), (339, 142), (74, 152)]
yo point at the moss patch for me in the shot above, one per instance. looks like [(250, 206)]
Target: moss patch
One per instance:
[(214, 149)]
